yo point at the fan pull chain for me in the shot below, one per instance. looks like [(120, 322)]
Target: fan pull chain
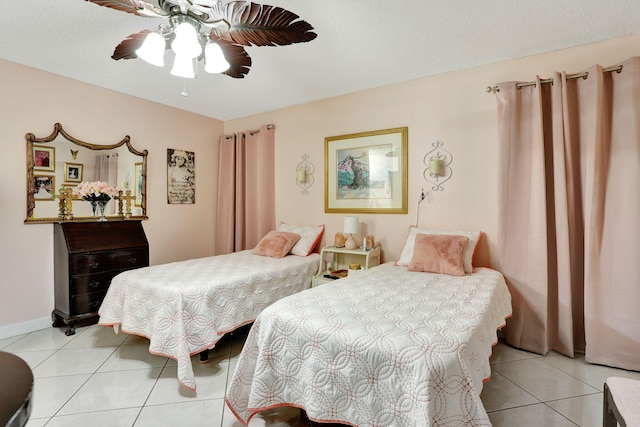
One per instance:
[(184, 88)]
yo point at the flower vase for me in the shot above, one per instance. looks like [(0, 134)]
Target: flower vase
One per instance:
[(97, 209), (102, 204)]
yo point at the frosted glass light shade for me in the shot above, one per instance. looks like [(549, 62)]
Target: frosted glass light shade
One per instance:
[(351, 225), (186, 42), (183, 67), (152, 49), (301, 175), (435, 166), (215, 61)]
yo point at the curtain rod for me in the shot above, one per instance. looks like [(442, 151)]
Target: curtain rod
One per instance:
[(250, 132), (583, 75)]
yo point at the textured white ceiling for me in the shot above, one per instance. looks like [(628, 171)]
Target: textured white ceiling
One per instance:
[(361, 44)]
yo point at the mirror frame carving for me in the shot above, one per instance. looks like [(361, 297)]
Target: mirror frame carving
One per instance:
[(58, 130)]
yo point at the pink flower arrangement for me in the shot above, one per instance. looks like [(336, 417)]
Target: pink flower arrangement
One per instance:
[(94, 191)]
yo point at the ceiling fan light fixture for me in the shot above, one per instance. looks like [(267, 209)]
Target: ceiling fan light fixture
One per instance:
[(187, 42), (215, 62), (192, 24), (152, 49), (183, 67)]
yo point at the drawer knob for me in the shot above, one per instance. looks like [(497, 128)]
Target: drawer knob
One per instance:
[(94, 284), (133, 260), (93, 264)]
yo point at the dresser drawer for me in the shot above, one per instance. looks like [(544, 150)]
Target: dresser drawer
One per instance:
[(86, 303), (89, 283), (123, 259)]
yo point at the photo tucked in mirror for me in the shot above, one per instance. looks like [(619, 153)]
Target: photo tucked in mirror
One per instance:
[(59, 162)]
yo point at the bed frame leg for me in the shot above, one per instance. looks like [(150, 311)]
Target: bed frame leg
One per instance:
[(204, 356)]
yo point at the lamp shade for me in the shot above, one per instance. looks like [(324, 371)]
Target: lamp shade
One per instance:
[(183, 67), (301, 175), (215, 61), (152, 50), (186, 42), (351, 225), (435, 166)]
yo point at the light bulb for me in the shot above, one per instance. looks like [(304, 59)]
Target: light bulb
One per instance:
[(152, 49), (215, 61)]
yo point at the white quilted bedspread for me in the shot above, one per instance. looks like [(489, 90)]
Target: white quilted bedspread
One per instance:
[(386, 347), (186, 307)]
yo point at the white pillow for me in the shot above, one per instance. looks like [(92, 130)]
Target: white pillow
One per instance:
[(467, 258), (310, 235)]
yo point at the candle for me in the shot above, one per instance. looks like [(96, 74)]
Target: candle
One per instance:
[(301, 175)]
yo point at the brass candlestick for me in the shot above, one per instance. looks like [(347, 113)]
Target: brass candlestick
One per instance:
[(64, 205), (128, 197)]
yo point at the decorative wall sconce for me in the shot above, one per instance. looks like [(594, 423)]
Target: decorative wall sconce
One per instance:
[(304, 174), (438, 163)]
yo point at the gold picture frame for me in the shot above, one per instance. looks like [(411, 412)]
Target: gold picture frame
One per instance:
[(44, 158), (45, 187), (138, 184), (73, 172), (367, 172)]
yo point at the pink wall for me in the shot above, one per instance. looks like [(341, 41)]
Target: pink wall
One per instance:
[(32, 101), (454, 108)]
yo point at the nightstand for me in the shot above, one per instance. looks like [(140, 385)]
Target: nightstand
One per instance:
[(340, 258)]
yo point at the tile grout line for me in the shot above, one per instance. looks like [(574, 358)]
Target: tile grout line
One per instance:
[(87, 380)]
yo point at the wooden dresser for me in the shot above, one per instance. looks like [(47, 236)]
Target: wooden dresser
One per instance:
[(87, 255)]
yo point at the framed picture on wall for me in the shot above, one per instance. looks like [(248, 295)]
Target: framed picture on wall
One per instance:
[(181, 180), (138, 184), (44, 158), (45, 187), (73, 172), (366, 172)]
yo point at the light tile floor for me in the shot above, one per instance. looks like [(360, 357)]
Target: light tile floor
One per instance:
[(97, 378)]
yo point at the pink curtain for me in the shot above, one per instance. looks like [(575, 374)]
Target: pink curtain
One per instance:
[(570, 214), (246, 189)]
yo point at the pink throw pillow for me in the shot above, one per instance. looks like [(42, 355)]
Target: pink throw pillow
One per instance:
[(407, 250), (276, 244), (439, 254)]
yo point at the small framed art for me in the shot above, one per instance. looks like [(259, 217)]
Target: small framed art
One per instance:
[(44, 158), (181, 179), (73, 172), (45, 187)]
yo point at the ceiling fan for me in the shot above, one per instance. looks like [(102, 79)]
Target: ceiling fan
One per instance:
[(208, 30)]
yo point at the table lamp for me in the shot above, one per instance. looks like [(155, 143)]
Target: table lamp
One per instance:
[(351, 226)]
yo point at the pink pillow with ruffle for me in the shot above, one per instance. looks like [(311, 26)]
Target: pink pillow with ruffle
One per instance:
[(442, 254), (276, 244)]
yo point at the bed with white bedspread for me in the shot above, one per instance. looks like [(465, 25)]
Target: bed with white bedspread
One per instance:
[(186, 307), (386, 347)]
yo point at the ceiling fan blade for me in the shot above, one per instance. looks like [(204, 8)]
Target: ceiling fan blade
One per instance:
[(254, 24), (237, 57), (137, 7), (127, 47)]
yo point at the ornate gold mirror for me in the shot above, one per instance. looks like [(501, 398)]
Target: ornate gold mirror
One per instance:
[(58, 163)]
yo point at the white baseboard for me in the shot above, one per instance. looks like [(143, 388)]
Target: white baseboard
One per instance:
[(24, 327)]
